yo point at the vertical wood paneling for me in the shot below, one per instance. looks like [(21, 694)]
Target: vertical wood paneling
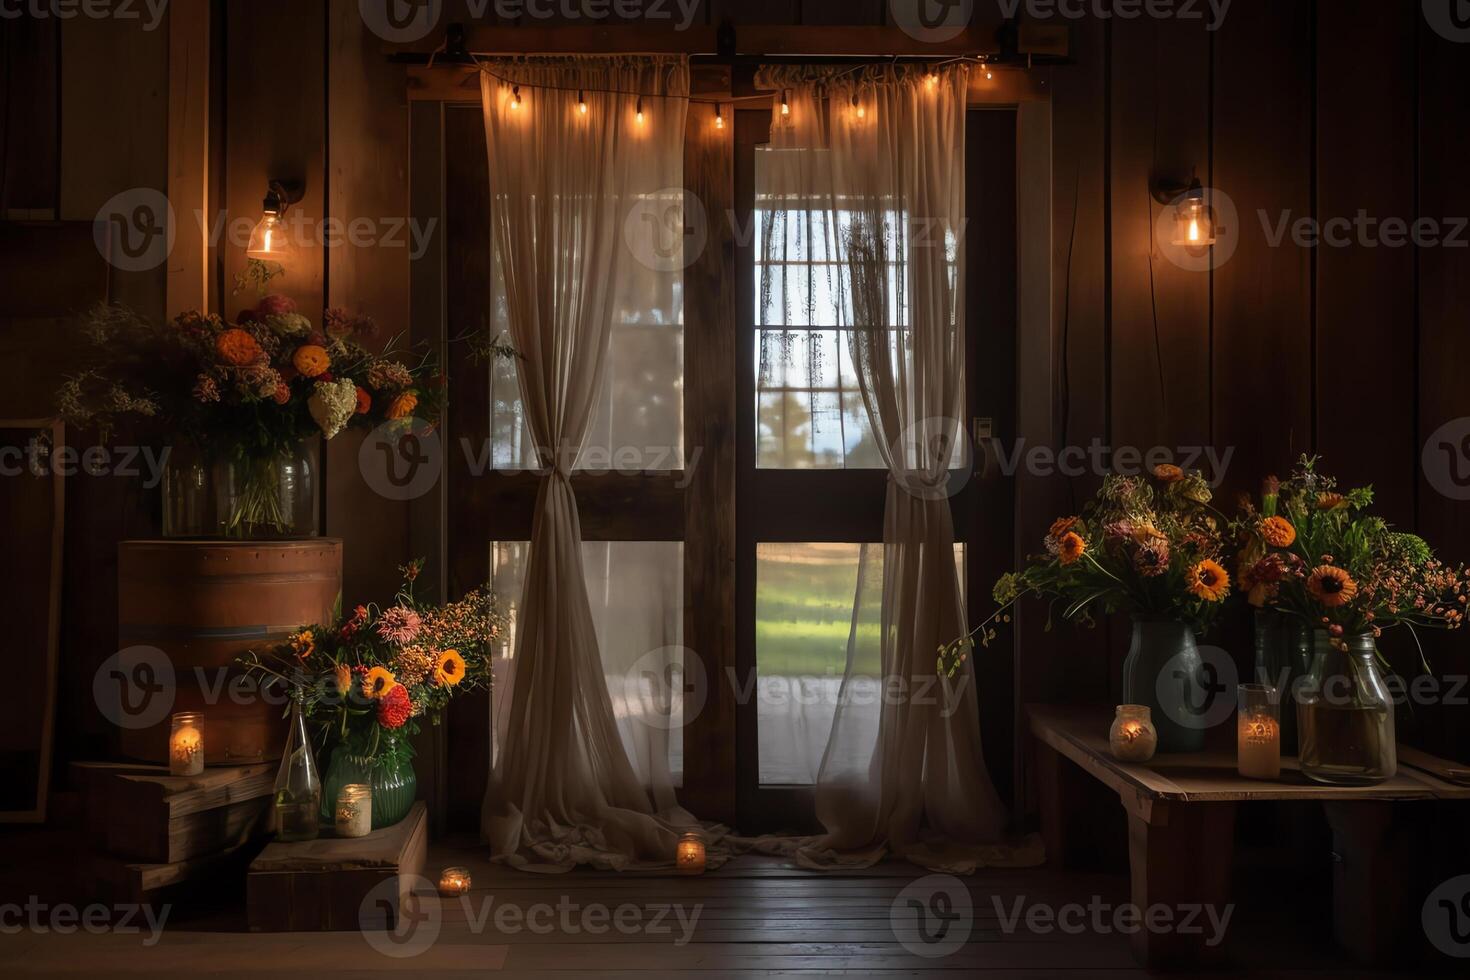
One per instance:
[(367, 186), (1444, 340), (1365, 288), (189, 39), (709, 431), (276, 129), (1262, 377), (1160, 343), (30, 136)]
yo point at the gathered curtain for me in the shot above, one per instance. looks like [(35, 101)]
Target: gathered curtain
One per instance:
[(861, 208), (566, 184)]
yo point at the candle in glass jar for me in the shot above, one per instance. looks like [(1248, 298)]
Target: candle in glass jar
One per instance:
[(354, 811), (454, 882), (1258, 732), (186, 744), (1133, 737), (689, 856)]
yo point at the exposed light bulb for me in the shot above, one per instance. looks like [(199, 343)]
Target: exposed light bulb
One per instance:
[(581, 103), (515, 97), (857, 108), (785, 106), (640, 108), (932, 79), (719, 117)]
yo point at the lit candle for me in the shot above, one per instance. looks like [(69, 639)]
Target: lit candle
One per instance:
[(454, 882), (1133, 737), (689, 856), (1258, 732), (354, 810), (186, 744)]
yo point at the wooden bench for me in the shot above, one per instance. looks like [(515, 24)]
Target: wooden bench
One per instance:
[(1181, 827)]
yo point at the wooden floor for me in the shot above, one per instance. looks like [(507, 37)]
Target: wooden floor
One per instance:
[(755, 917)]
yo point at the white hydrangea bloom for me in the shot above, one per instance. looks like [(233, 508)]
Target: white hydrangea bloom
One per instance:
[(332, 405)]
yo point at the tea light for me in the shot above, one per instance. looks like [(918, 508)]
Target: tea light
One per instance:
[(454, 882), (1133, 737), (689, 856), (186, 744), (354, 810), (1258, 732)]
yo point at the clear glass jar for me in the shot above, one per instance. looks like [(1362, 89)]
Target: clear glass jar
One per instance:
[(186, 744), (1345, 715), (188, 497), (1133, 738), (354, 814), (1258, 731), (298, 788), (390, 775), (269, 496)]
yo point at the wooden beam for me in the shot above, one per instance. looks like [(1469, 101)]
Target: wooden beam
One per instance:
[(188, 154)]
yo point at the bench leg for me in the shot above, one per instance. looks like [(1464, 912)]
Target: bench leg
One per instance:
[(1059, 797), (1372, 870), (1179, 859)]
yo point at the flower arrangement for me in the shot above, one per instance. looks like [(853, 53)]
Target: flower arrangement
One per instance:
[(366, 678), (1153, 549), (248, 391), (1313, 551)]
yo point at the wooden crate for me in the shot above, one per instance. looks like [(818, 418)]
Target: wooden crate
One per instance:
[(320, 885), (119, 882), (142, 814)]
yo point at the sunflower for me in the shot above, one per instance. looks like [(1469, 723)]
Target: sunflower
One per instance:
[(378, 682), (1331, 586), (1071, 547), (1278, 532), (1331, 501), (1168, 473), (1208, 581), (449, 670)]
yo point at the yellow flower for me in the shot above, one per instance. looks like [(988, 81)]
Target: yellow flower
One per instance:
[(303, 644), (449, 670), (1208, 581), (311, 360), (378, 682), (403, 405), (1278, 532), (344, 679), (1071, 547)]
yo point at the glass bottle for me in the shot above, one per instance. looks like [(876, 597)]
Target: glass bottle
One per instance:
[(1345, 715), (298, 788)]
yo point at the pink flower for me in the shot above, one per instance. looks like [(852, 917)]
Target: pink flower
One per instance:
[(275, 305), (399, 624)]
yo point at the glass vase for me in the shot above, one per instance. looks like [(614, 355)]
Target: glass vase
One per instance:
[(188, 497), (391, 776), (1345, 714), (1164, 673), (271, 496), (1283, 656), (298, 788)]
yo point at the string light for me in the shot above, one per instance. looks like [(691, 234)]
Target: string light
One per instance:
[(581, 102)]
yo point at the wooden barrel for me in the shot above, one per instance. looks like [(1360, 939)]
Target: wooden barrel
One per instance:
[(204, 603)]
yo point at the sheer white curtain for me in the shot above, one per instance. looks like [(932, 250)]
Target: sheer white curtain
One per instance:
[(866, 172), (564, 182)]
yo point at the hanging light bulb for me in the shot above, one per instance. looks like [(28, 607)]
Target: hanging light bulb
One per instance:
[(719, 116), (515, 97), (640, 109), (269, 240), (785, 106), (932, 78), (581, 103), (857, 107)]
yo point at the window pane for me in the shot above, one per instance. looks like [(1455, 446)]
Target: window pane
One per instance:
[(803, 620), (636, 592)]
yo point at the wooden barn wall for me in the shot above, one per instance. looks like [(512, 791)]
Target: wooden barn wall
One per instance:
[(1315, 108)]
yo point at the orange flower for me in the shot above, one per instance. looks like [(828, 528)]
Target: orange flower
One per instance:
[(1071, 547), (311, 360), (449, 670), (364, 400), (303, 644), (1278, 532), (403, 405), (1168, 473), (282, 394), (237, 347), (1208, 581), (1061, 526), (1331, 586), (344, 679), (1331, 501), (378, 682)]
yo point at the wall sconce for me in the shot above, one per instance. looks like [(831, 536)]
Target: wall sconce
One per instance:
[(269, 241), (1194, 219)]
